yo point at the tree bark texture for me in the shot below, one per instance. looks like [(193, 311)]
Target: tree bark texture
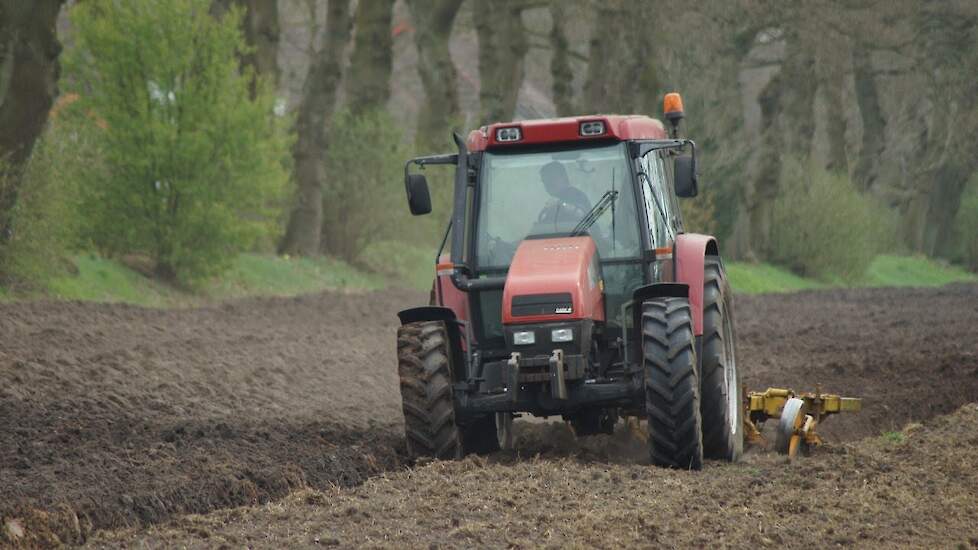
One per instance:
[(950, 154), (502, 49), (369, 76), (433, 22), (830, 72), (797, 95), (560, 67), (871, 114), (318, 102), (29, 70), (767, 168), (261, 33)]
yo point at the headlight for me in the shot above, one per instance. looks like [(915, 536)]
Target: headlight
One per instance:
[(562, 335), (524, 338)]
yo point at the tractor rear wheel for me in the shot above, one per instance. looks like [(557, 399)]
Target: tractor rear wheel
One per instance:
[(424, 367), (672, 398), (721, 402)]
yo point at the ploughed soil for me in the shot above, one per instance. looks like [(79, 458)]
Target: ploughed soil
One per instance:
[(123, 426)]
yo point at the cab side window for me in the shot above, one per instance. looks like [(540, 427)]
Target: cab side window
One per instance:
[(676, 215), (655, 196)]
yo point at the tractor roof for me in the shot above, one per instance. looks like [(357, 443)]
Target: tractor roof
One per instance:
[(565, 130)]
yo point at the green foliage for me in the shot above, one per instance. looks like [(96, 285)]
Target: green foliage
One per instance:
[(893, 437), (884, 271), (889, 270), (363, 198), (190, 163), (823, 228), (260, 275), (751, 278), (699, 214), (46, 219), (966, 226), (407, 265), (102, 280)]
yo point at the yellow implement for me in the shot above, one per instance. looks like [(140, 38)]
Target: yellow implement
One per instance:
[(798, 413)]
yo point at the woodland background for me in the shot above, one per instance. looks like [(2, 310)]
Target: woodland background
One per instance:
[(175, 135)]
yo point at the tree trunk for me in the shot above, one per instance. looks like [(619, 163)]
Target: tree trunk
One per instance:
[(950, 153), (601, 91), (767, 168), (797, 116), (502, 49), (29, 71), (830, 73), (621, 75), (318, 102), (433, 20), (560, 67), (369, 80), (261, 33), (871, 113)]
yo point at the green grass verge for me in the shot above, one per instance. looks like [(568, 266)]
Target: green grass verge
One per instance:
[(101, 280), (914, 271), (884, 271), (256, 275), (755, 278)]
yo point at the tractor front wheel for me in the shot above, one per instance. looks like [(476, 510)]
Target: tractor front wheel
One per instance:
[(424, 366), (672, 389)]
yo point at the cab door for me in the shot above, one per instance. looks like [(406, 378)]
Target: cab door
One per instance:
[(661, 215)]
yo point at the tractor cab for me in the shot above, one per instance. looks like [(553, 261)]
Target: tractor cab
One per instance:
[(562, 234), (608, 179)]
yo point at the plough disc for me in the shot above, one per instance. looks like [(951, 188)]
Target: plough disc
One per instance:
[(792, 418)]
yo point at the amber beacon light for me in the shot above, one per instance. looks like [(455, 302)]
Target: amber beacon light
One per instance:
[(672, 108)]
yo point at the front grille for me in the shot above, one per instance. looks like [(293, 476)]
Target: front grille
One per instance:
[(542, 304)]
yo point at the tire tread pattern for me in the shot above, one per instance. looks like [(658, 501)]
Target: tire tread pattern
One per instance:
[(718, 442), (671, 384), (424, 369)]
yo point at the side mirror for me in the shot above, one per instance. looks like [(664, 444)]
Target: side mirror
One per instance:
[(685, 172), (419, 200)]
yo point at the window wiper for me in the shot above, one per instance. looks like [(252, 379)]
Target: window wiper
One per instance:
[(607, 200)]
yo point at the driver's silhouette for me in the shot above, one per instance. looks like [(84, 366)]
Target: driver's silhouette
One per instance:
[(556, 182)]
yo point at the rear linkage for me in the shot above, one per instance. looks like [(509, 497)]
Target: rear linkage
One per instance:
[(798, 413)]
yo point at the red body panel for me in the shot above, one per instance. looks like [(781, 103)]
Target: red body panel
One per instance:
[(548, 266), (562, 130), (690, 255)]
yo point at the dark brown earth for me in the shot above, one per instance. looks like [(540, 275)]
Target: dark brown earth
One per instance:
[(115, 416)]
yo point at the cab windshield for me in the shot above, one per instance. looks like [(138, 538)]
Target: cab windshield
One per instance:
[(549, 193)]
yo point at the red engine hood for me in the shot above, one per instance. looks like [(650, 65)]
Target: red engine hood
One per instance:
[(554, 280)]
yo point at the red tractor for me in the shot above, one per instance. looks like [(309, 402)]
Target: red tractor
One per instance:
[(570, 287)]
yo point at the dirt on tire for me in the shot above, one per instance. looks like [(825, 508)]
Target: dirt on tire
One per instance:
[(116, 417)]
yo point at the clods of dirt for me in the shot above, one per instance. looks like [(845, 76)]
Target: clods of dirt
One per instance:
[(118, 417)]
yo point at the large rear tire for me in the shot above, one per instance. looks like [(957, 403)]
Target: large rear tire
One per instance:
[(672, 399), (721, 402), (424, 366)]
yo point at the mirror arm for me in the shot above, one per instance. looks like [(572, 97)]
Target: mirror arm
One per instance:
[(432, 160)]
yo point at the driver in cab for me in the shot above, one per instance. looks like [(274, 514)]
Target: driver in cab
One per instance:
[(568, 205)]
